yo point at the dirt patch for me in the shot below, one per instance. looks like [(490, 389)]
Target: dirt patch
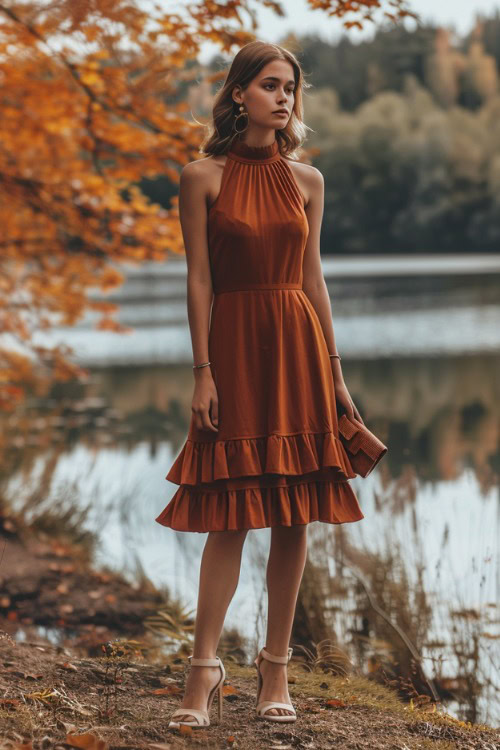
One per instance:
[(50, 583)]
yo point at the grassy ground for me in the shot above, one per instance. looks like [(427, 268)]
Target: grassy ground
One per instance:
[(119, 700)]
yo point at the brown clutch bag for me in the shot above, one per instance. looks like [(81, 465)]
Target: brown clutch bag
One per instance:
[(364, 449)]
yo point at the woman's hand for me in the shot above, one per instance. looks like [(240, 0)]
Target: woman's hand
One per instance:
[(343, 397), (205, 404)]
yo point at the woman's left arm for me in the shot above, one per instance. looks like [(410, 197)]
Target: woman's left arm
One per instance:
[(314, 284)]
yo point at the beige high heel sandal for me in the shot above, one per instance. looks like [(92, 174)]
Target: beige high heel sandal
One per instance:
[(201, 716), (265, 706)]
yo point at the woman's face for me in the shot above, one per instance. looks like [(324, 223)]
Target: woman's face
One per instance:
[(271, 89)]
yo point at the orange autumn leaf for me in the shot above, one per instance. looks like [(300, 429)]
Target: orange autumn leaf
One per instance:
[(169, 690), (335, 703), (87, 741), (69, 666), (229, 690)]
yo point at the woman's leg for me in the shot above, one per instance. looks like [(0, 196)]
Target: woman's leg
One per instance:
[(287, 558), (219, 574)]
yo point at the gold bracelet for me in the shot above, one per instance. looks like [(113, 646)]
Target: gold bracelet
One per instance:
[(335, 355), (203, 365)]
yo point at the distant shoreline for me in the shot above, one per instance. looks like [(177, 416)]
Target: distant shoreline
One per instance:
[(342, 266), (411, 265), (382, 306)]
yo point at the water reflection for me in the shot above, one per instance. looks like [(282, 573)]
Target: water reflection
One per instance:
[(426, 549), (441, 416)]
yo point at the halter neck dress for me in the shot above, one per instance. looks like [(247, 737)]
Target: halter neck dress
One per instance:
[(276, 459)]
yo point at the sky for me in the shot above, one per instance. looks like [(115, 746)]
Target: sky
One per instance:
[(300, 19)]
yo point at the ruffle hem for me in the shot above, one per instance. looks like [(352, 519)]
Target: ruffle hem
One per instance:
[(251, 483)]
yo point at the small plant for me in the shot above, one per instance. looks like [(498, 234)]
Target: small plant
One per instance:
[(173, 623), (325, 657), (117, 657)]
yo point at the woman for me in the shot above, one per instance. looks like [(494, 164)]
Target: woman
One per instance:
[(263, 448)]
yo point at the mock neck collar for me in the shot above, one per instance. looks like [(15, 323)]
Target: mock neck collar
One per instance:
[(241, 151)]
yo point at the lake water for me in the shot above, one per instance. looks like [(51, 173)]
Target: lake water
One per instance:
[(421, 358)]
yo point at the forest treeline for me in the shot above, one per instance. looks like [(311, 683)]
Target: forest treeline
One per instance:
[(408, 131)]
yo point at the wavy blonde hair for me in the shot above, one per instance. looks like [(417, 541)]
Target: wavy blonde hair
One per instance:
[(248, 63)]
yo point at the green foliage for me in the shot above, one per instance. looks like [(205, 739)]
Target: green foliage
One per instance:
[(357, 71), (402, 174), (408, 131)]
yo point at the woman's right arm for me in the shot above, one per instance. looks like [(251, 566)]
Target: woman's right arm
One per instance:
[(193, 217)]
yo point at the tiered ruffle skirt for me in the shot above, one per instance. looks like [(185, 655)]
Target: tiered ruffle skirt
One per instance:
[(250, 483)]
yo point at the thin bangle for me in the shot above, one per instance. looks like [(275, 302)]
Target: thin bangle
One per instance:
[(335, 355), (203, 365)]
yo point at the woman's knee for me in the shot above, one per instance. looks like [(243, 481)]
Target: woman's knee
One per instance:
[(298, 529), (229, 534)]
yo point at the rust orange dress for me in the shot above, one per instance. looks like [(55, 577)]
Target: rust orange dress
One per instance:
[(276, 459)]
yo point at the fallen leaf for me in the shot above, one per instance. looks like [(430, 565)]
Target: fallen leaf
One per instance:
[(61, 550), (69, 666), (87, 741), (335, 702), (9, 702), (310, 708), (169, 690), (102, 577), (68, 728)]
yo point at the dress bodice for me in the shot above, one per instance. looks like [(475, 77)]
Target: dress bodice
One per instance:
[(257, 227)]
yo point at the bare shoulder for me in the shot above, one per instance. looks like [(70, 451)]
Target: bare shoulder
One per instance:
[(198, 168), (309, 179), (307, 172), (205, 174), (200, 178)]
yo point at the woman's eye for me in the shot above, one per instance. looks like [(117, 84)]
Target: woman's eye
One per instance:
[(290, 91)]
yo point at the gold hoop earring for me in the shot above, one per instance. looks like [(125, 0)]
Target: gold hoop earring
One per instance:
[(242, 114)]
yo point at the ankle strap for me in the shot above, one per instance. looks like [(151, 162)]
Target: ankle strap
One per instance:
[(277, 659), (204, 662)]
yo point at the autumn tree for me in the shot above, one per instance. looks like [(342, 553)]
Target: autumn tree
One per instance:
[(90, 103)]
